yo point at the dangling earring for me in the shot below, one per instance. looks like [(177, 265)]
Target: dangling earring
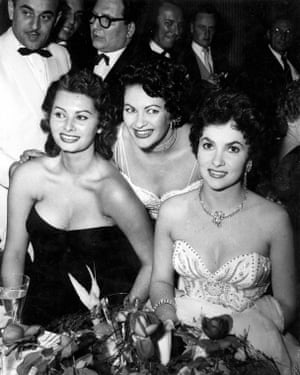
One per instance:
[(175, 123), (247, 170)]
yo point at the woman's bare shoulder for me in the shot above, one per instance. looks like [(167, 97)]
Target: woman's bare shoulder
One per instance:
[(271, 213), (179, 205), (33, 167)]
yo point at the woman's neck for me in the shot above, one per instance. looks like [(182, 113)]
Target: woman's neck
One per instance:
[(78, 163), (224, 200), (290, 141)]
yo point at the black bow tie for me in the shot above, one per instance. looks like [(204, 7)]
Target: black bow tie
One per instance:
[(24, 51), (101, 57)]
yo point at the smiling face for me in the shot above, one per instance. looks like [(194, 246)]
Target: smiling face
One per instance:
[(73, 19), (222, 155), (281, 35), (146, 118), (169, 25), (32, 21), (203, 29), (118, 35), (73, 121)]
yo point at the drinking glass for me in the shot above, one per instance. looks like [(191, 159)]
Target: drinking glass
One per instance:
[(13, 290)]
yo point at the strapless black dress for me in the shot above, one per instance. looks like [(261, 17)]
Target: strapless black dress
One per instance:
[(57, 252)]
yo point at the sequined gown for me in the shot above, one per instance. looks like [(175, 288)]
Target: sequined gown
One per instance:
[(58, 252), (237, 288)]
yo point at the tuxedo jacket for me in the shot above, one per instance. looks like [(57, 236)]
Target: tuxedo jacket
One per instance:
[(188, 58), (262, 78), (21, 97), (200, 87), (128, 57)]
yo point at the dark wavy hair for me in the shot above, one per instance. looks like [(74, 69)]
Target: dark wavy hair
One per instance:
[(288, 105), (225, 105), (86, 83), (162, 79)]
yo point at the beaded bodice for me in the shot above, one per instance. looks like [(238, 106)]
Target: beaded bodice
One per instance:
[(237, 284)]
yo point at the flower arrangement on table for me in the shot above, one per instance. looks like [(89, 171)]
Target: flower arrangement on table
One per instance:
[(123, 340)]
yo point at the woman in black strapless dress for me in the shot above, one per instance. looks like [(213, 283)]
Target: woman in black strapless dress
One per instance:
[(75, 209)]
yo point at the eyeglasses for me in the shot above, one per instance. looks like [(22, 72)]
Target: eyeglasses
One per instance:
[(104, 21), (278, 31)]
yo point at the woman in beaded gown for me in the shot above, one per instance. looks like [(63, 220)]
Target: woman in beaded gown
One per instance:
[(227, 244), (76, 209), (153, 150)]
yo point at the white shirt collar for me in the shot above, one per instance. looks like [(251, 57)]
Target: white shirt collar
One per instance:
[(113, 56), (199, 50), (155, 47)]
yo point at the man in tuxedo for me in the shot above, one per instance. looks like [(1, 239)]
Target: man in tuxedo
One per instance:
[(207, 66), (269, 67), (165, 31), (112, 28), (27, 66)]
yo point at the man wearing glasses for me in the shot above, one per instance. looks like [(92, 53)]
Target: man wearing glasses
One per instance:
[(112, 27), (269, 68)]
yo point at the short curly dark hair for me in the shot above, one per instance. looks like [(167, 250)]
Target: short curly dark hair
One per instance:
[(225, 105), (162, 79), (86, 83), (288, 105)]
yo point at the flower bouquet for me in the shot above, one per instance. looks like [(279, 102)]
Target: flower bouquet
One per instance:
[(121, 339)]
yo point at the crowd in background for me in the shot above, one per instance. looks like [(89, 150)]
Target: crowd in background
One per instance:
[(126, 123)]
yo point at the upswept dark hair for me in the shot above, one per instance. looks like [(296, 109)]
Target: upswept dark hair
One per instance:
[(225, 105), (162, 79), (89, 84), (288, 105)]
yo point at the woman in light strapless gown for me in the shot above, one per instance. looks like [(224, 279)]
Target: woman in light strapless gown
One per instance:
[(229, 246), (75, 208), (153, 150)]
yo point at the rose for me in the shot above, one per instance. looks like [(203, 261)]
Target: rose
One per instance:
[(217, 327), (145, 329)]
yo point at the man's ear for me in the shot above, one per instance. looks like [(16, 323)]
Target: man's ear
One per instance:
[(130, 30), (268, 34), (11, 8)]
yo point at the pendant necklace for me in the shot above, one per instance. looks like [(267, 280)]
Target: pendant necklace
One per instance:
[(168, 143), (219, 216)]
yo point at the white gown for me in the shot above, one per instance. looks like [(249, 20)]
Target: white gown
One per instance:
[(237, 288)]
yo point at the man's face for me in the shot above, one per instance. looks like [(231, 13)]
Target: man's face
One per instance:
[(72, 19), (32, 21), (119, 33), (169, 26), (281, 36), (203, 29)]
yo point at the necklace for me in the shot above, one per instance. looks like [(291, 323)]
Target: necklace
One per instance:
[(168, 143), (219, 216)]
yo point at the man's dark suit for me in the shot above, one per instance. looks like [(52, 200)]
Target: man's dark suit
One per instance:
[(128, 57), (263, 78), (200, 87)]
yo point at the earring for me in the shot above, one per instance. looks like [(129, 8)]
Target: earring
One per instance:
[(175, 123), (247, 170)]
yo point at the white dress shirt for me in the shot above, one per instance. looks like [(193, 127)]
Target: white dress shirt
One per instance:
[(158, 49), (295, 74), (101, 69), (200, 52)]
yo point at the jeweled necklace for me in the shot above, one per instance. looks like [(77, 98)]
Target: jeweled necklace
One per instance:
[(168, 143), (219, 216)]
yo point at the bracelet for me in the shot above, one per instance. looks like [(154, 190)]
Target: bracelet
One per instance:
[(164, 301)]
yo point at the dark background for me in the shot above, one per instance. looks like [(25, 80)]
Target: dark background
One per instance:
[(243, 21)]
